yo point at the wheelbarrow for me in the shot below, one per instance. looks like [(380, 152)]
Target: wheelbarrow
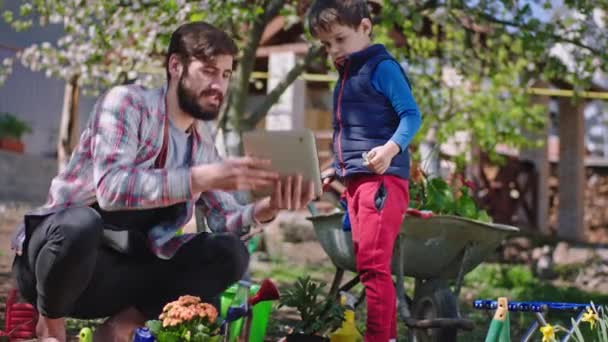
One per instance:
[(436, 251)]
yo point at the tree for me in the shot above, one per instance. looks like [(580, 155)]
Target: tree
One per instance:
[(109, 42), (472, 62)]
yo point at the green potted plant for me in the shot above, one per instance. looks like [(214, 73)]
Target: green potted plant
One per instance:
[(436, 195), (319, 314), (11, 131), (186, 319)]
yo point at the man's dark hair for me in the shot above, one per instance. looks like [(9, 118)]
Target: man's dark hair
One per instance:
[(325, 13), (199, 40)]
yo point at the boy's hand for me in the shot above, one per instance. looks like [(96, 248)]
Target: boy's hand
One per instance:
[(379, 158), (327, 177)]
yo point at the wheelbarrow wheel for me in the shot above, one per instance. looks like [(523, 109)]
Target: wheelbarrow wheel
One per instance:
[(433, 299)]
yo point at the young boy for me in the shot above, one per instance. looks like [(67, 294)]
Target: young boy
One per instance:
[(375, 118)]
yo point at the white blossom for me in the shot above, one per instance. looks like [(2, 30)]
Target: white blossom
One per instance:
[(450, 77)]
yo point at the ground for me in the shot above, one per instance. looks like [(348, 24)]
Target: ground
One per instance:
[(11, 214), (9, 218), (488, 281)]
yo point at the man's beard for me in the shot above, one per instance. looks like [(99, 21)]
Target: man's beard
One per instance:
[(187, 100)]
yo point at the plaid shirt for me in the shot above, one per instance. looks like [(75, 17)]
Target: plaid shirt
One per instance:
[(114, 165)]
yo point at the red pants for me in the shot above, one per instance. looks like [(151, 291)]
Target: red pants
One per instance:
[(376, 206)]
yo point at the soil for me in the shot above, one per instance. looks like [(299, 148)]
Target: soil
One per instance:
[(10, 216)]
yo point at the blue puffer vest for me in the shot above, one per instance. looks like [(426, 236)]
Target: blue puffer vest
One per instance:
[(363, 118)]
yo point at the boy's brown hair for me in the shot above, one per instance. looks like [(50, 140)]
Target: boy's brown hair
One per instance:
[(325, 13)]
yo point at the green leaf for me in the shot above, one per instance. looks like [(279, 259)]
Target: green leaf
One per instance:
[(258, 11), (602, 324), (197, 16), (155, 326), (578, 336), (168, 336), (8, 16), (25, 9), (318, 312), (484, 217), (169, 5), (465, 207), (200, 337), (439, 197)]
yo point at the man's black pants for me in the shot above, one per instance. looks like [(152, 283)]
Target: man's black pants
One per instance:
[(66, 271)]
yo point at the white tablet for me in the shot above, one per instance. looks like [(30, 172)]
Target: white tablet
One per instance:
[(291, 152)]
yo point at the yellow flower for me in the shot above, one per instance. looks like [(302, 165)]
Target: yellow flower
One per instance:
[(591, 317), (548, 333)]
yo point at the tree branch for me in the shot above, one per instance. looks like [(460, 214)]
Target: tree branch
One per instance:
[(434, 4), (274, 95), (222, 120), (557, 37), (240, 85)]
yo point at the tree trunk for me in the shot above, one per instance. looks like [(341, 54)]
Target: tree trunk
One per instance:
[(232, 121), (571, 170), (540, 157), (69, 126)]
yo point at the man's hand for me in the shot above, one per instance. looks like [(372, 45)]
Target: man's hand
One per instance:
[(379, 158), (290, 193), (245, 173)]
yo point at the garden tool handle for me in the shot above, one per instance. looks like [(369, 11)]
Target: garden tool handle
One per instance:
[(501, 311), (246, 329)]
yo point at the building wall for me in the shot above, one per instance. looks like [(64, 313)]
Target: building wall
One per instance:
[(38, 101), (31, 96), (25, 178)]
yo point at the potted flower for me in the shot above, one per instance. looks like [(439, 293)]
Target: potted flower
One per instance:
[(11, 131), (319, 315), (186, 319)]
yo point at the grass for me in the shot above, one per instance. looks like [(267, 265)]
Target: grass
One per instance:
[(282, 272), (73, 326), (488, 281), (517, 283)]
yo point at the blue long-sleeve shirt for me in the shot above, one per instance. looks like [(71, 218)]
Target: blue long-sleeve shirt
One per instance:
[(388, 79)]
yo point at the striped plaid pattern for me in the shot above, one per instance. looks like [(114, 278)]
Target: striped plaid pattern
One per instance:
[(114, 165)]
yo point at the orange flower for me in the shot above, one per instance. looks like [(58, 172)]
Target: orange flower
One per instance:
[(168, 306), (171, 322), (208, 311), (185, 300), (185, 309), (187, 314)]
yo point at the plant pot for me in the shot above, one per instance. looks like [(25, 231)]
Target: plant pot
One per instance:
[(11, 144), (306, 338)]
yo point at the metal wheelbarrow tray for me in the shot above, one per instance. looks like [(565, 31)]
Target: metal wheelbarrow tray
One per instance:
[(436, 251)]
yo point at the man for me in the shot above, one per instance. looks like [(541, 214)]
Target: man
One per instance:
[(143, 162)]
